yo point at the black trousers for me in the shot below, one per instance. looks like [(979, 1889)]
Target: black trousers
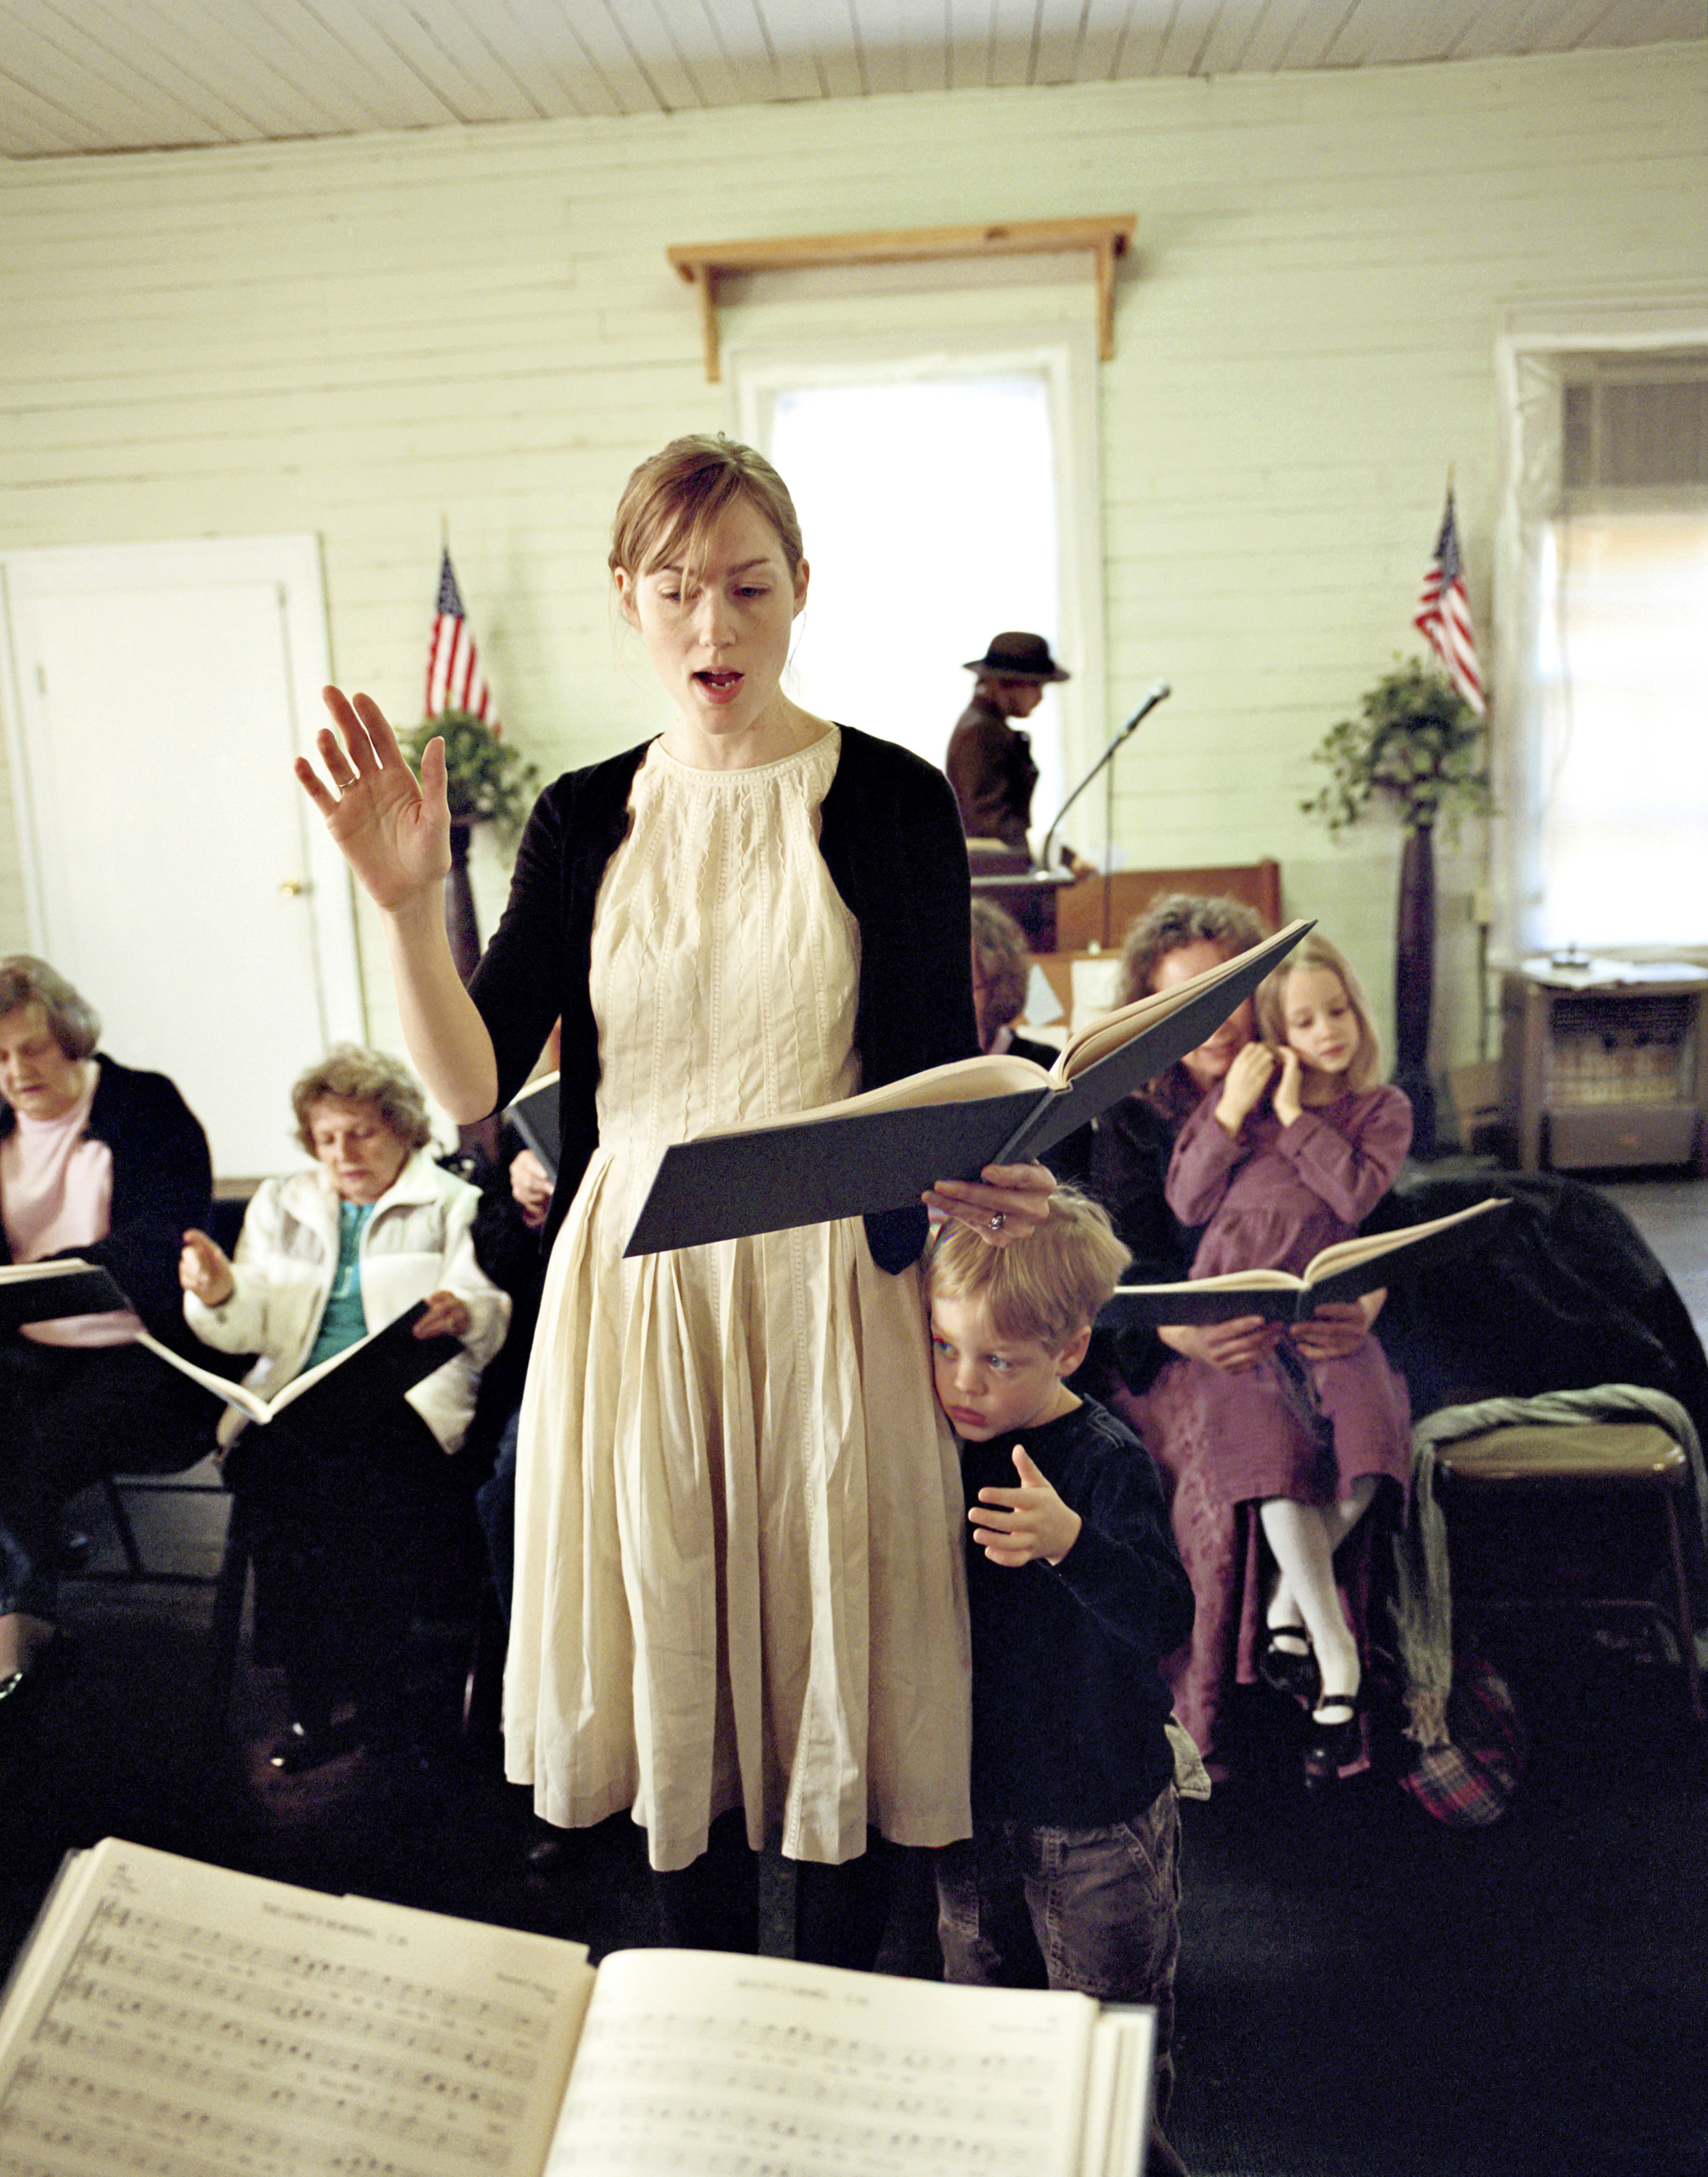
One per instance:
[(68, 1415), (840, 1912), (339, 1529)]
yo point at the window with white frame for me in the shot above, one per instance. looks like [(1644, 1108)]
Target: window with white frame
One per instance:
[(1606, 784), (943, 497)]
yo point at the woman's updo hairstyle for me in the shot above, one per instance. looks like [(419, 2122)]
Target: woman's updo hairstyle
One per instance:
[(674, 500), (72, 1021)]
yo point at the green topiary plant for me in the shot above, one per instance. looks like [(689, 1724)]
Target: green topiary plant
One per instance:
[(485, 777), (1417, 740)]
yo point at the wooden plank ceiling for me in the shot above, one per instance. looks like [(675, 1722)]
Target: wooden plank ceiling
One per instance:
[(112, 75)]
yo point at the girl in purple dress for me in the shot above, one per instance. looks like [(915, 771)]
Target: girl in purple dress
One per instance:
[(1289, 1153)]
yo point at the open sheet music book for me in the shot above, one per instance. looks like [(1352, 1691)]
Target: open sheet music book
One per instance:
[(190, 2021), (883, 1149), (383, 1365), (1345, 1271)]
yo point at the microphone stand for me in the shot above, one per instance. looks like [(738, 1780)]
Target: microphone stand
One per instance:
[(1157, 694)]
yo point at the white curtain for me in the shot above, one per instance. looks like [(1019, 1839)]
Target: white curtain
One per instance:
[(1622, 716), (1601, 714)]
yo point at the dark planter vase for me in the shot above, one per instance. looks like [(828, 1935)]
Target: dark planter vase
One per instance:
[(1414, 983)]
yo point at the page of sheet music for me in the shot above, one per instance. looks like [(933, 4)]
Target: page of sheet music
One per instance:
[(176, 2020), (1117, 2101), (754, 2067)]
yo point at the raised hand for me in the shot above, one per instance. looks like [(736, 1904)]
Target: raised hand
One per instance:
[(1244, 1085), (1032, 1522), (205, 1270), (1288, 1102), (395, 834)]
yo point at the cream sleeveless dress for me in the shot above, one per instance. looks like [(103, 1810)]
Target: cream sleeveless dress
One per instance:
[(738, 1574)]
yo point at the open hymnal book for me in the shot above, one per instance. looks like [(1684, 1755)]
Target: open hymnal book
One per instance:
[(191, 2021), (65, 1285), (382, 1366), (1345, 1271), (883, 1149)]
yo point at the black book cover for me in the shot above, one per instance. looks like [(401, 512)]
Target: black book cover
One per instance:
[(808, 1170)]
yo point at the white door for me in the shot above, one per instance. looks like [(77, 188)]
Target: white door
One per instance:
[(172, 867)]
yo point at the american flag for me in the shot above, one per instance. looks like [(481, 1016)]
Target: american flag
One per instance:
[(455, 681), (1444, 617)]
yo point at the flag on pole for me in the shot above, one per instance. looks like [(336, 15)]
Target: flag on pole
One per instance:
[(455, 681), (1444, 616)]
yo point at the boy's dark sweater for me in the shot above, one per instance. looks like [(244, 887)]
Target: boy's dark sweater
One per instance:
[(1068, 1708)]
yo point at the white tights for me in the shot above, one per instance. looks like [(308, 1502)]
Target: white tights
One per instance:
[(1303, 1538)]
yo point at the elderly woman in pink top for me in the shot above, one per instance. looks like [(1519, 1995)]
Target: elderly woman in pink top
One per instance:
[(101, 1161)]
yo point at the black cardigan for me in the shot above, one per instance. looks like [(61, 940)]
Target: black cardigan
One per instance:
[(162, 1182), (891, 839)]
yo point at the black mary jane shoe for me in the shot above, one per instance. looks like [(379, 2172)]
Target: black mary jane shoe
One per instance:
[(1290, 1670), (1334, 1745), (308, 1746)]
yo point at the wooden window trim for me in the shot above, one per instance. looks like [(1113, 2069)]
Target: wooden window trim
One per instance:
[(703, 265)]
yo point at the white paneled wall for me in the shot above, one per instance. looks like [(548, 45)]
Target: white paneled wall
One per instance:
[(363, 337)]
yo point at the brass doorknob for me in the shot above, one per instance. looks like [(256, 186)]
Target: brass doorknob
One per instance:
[(292, 888)]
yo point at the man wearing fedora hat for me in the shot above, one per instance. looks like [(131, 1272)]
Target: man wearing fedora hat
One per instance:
[(989, 761)]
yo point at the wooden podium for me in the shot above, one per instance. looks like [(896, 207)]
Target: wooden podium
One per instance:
[(1098, 910), (1059, 914), (1028, 895)]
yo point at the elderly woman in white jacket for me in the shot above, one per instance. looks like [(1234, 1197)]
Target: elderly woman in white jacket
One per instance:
[(327, 1255)]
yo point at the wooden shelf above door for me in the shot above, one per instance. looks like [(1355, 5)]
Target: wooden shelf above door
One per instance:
[(704, 264)]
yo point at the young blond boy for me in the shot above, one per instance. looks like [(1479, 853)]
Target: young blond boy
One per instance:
[(1076, 1592)]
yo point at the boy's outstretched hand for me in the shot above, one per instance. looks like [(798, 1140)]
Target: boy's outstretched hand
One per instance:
[(1035, 1524)]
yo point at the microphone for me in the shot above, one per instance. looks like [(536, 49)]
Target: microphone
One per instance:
[(1158, 692)]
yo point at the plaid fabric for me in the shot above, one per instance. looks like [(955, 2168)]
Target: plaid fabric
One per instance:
[(1467, 1783)]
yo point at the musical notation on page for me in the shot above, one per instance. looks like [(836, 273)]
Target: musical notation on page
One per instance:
[(206, 2034)]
